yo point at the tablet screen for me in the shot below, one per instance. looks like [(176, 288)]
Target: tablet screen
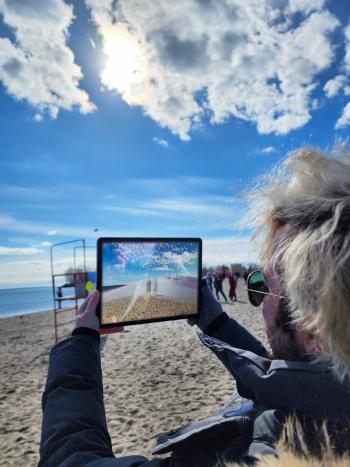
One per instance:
[(149, 280)]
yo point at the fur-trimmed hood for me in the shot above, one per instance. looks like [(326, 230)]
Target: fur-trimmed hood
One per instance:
[(290, 456)]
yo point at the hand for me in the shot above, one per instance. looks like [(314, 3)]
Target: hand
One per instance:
[(210, 308), (87, 318), (86, 315)]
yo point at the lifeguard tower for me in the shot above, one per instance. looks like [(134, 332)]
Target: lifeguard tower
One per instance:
[(78, 282)]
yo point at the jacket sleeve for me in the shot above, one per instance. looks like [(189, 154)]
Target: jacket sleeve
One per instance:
[(227, 329), (74, 428), (230, 331)]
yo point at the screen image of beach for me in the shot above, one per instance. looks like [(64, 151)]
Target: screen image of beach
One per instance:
[(149, 280)]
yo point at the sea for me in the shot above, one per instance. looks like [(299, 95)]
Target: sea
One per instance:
[(24, 300)]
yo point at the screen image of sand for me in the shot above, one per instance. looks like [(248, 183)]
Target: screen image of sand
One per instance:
[(149, 299)]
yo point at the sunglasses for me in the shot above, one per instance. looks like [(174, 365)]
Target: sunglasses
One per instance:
[(257, 288)]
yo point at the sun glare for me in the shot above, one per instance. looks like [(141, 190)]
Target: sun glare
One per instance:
[(123, 60)]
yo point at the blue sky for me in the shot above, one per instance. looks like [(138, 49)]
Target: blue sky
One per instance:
[(151, 120), (129, 261)]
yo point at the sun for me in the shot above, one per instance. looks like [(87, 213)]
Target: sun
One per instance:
[(123, 59)]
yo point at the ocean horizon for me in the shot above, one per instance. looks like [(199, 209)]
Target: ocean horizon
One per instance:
[(16, 301)]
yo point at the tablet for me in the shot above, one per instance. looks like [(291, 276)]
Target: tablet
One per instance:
[(143, 280)]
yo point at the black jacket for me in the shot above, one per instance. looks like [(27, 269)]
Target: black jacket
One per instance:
[(74, 429)]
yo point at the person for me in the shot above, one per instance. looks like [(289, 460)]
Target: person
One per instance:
[(233, 284), (218, 279), (304, 292), (245, 276), (209, 278), (59, 297)]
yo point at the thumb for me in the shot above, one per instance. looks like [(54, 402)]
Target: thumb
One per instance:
[(207, 294), (93, 302)]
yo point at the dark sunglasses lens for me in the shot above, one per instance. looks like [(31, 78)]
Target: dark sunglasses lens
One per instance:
[(255, 286)]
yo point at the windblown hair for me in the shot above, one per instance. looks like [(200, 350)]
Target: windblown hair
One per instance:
[(293, 451), (308, 197)]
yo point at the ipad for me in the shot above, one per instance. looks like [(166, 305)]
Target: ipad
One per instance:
[(143, 280)]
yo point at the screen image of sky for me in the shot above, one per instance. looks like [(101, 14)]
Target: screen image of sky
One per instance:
[(129, 262), (150, 119)]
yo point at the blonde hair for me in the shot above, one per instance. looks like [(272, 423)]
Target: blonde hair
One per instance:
[(290, 456), (304, 203)]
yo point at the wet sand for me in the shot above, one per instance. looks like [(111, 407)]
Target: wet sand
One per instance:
[(156, 377)]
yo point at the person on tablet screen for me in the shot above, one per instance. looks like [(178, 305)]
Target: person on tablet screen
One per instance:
[(304, 289)]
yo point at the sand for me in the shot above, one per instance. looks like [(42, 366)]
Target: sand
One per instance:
[(156, 377), (146, 306)]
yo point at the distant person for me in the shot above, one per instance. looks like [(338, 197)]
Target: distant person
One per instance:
[(233, 285), (59, 296), (245, 276), (209, 279), (218, 279), (303, 289)]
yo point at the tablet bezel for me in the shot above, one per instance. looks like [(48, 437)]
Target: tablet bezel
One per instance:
[(103, 240)]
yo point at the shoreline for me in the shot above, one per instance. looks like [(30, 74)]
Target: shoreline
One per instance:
[(174, 380), (27, 313), (49, 286)]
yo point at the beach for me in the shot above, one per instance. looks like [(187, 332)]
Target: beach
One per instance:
[(156, 377)]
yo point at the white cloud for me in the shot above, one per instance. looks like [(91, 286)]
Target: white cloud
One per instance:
[(9, 223), (201, 206), (174, 184), (26, 273), (227, 250), (335, 85), (39, 66), (161, 142), (46, 244), (347, 48), (17, 251), (181, 215), (38, 117), (205, 207), (12, 224), (305, 6), (34, 270), (134, 211), (344, 119), (18, 191), (192, 59), (221, 250), (268, 150), (178, 258)]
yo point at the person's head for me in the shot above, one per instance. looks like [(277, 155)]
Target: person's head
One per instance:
[(287, 340), (303, 208)]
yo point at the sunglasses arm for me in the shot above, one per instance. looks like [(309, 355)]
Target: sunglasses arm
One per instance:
[(266, 293)]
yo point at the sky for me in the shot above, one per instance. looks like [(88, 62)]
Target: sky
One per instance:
[(131, 261), (150, 118)]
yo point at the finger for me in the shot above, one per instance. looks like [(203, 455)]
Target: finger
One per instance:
[(93, 302), (83, 307), (207, 293)]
